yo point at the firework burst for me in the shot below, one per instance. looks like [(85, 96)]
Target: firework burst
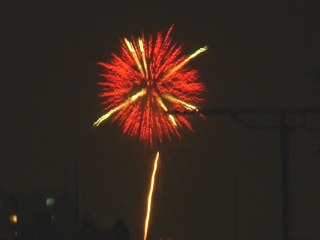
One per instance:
[(147, 79)]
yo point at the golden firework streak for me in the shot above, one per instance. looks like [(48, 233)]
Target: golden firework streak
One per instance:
[(134, 55), (122, 105), (150, 196), (184, 104), (176, 68), (143, 57)]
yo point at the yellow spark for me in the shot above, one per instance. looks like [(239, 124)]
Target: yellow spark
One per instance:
[(134, 55), (172, 120), (150, 196), (119, 107), (174, 69), (143, 57), (166, 110), (104, 117), (162, 104), (137, 95)]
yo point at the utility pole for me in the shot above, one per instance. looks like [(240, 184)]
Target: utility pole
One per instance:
[(285, 131), (77, 212), (235, 210)]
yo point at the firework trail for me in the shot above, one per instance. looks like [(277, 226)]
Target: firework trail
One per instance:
[(147, 80), (150, 196)]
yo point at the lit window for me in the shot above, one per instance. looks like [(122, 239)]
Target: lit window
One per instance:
[(50, 202), (13, 218)]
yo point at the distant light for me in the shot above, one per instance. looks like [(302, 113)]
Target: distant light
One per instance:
[(13, 218), (50, 202)]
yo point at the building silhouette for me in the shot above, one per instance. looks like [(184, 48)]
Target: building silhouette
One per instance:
[(51, 215), (121, 230), (37, 215)]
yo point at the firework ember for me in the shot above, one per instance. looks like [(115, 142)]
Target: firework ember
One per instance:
[(147, 80)]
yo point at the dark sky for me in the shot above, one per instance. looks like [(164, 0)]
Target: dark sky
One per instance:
[(261, 54)]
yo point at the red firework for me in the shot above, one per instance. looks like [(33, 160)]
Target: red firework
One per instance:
[(144, 82)]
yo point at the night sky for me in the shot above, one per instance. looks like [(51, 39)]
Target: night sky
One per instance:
[(263, 54)]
